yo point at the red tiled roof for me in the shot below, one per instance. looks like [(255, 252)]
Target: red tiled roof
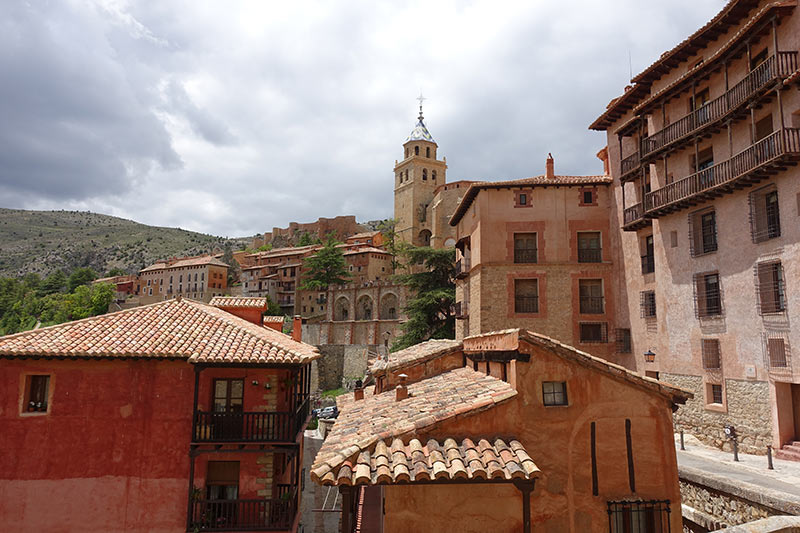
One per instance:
[(675, 394), (238, 301), (273, 319), (364, 235), (361, 424), (424, 351), (536, 181), (366, 249), (173, 329), (436, 460), (733, 11)]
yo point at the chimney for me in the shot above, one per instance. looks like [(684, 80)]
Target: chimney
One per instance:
[(402, 391), (358, 392), (549, 167), (297, 328)]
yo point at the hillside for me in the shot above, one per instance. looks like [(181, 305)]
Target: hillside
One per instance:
[(45, 241)]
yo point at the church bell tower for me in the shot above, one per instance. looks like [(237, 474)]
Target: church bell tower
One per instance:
[(416, 177)]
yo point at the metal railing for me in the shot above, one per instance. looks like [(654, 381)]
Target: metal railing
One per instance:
[(462, 267), (244, 427), (776, 144), (244, 515), (590, 255), (774, 67), (526, 304), (526, 255), (591, 305)]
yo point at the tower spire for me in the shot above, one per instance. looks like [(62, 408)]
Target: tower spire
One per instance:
[(421, 99)]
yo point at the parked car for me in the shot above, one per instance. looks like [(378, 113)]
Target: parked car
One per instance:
[(326, 412)]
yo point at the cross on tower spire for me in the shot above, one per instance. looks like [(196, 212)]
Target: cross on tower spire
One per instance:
[(421, 99)]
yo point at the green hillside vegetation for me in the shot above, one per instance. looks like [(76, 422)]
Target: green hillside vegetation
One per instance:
[(31, 300), (42, 242)]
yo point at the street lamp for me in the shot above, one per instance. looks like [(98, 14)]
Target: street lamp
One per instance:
[(649, 356)]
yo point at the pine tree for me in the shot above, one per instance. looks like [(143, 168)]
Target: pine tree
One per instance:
[(326, 267), (432, 295)]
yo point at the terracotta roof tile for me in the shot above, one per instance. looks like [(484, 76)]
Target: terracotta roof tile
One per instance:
[(181, 329), (361, 424), (676, 394), (535, 181), (231, 302), (424, 351), (435, 460)]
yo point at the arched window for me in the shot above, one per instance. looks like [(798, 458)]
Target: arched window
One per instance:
[(428, 151), (433, 175), (424, 174), (416, 150), (406, 152)]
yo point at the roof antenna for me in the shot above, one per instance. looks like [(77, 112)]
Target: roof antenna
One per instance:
[(630, 65), (421, 99)]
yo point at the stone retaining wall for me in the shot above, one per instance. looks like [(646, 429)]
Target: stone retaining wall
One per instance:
[(748, 410)]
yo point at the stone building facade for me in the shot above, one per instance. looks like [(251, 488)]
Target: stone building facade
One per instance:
[(536, 253), (703, 147), (199, 278)]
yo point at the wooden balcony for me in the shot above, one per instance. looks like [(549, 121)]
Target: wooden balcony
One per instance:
[(768, 156), (462, 268), (633, 218), (249, 427), (630, 166), (733, 102), (277, 514)]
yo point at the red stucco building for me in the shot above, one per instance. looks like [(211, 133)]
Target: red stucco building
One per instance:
[(177, 416)]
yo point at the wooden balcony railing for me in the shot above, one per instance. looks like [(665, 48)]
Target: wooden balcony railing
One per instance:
[(633, 214), (773, 68), (245, 515), (462, 267), (630, 164), (754, 158), (244, 427)]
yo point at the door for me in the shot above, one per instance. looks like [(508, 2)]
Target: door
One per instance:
[(228, 402)]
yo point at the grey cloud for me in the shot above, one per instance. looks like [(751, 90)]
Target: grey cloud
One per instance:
[(231, 119)]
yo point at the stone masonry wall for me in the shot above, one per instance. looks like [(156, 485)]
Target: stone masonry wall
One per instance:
[(748, 410), (721, 508), (340, 363)]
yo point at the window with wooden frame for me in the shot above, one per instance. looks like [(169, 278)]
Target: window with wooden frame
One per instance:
[(703, 232), (228, 395), (624, 340), (590, 294), (36, 394), (647, 304), (770, 288), (776, 351), (765, 218), (648, 255), (525, 248), (639, 516), (222, 482), (714, 394), (758, 58), (589, 247), (523, 198), (554, 393), (711, 355), (526, 295), (707, 294), (593, 332)]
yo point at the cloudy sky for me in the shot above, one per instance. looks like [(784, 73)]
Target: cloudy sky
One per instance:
[(233, 117)]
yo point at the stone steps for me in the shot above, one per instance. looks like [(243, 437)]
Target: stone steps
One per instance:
[(789, 452)]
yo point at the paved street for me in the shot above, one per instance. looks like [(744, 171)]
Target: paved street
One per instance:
[(751, 469)]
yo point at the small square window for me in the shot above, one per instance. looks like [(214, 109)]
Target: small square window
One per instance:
[(588, 197), (716, 394), (523, 199), (554, 393), (37, 389)]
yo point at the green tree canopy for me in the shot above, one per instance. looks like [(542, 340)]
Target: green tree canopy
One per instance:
[(80, 276), (432, 289), (55, 282), (116, 271), (306, 240), (391, 243), (326, 267)]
